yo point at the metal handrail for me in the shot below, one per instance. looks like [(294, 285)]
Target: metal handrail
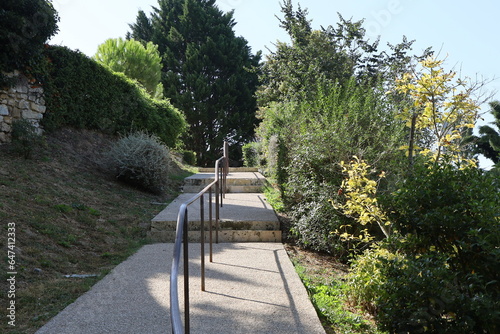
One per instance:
[(181, 237)]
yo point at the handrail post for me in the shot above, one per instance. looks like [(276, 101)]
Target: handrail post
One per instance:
[(221, 183), (186, 274), (226, 165), (226, 157), (210, 222), (217, 213), (202, 241)]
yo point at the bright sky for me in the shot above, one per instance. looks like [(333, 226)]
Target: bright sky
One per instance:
[(464, 31)]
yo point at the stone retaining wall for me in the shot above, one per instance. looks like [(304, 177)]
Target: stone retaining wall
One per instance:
[(21, 101)]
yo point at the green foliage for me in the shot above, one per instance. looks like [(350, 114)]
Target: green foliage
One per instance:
[(314, 220), (141, 160), (439, 273), (136, 61), (421, 294), (437, 270), (293, 71), (330, 55), (25, 25), (455, 211), (313, 137), (84, 94), (142, 29), (488, 143), (273, 197), (414, 294), (189, 157), (366, 277), (252, 153), (329, 301), (323, 101), (208, 72), (25, 138)]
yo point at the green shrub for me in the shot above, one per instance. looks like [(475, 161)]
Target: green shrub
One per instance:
[(366, 277), (328, 298), (424, 294), (140, 160), (189, 157), (454, 212), (416, 294), (25, 138), (314, 220), (439, 272), (84, 94), (251, 154), (273, 197)]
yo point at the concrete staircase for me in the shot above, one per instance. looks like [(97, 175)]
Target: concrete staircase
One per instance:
[(237, 182), (245, 216)]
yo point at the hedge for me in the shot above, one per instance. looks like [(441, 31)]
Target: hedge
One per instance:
[(81, 93)]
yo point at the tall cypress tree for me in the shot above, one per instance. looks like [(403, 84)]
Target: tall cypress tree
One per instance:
[(208, 72), (141, 30)]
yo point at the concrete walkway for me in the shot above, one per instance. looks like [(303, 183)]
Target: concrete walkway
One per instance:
[(250, 288)]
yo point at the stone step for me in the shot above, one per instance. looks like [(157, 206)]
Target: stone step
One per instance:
[(224, 224), (244, 217), (224, 236), (236, 182), (231, 169)]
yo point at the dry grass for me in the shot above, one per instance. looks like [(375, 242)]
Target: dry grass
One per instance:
[(70, 218)]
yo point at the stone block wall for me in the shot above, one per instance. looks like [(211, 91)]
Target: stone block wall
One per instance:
[(21, 101)]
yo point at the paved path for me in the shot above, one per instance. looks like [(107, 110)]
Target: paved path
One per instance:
[(250, 288)]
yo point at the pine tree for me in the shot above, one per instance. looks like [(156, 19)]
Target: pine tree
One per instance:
[(208, 73), (135, 60)]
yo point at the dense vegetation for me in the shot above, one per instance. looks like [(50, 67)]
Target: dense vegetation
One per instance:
[(438, 272), (311, 121), (25, 25), (84, 94), (488, 143), (372, 155)]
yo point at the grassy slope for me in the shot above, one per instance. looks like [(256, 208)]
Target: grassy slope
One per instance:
[(70, 218)]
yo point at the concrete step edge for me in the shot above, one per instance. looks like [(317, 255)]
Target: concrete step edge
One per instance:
[(239, 181), (224, 236), (232, 225), (229, 189), (231, 169)]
